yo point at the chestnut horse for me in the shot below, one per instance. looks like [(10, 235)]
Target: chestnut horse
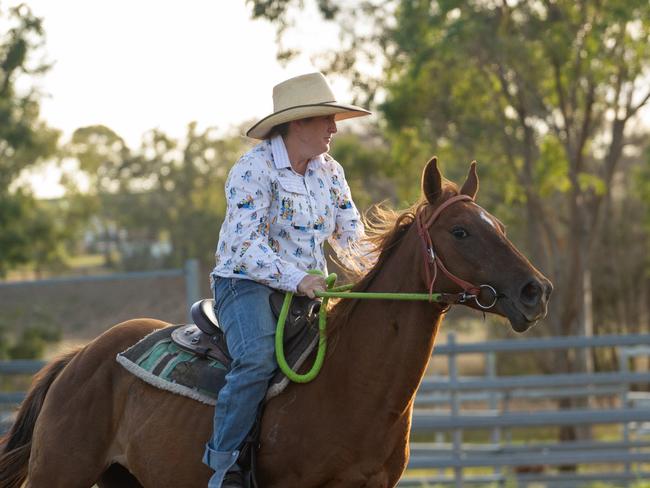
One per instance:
[(86, 420)]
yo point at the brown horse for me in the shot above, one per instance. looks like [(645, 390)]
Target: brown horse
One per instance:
[(87, 420)]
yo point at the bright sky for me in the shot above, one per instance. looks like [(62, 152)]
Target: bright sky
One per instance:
[(138, 65)]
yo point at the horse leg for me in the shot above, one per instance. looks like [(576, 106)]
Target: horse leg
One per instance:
[(74, 437)]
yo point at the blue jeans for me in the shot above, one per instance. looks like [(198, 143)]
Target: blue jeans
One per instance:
[(243, 310)]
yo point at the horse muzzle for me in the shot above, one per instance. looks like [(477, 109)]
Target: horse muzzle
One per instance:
[(529, 306)]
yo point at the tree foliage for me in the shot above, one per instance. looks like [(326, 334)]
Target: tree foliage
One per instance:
[(547, 96), (30, 343), (160, 204), (27, 232), (368, 167), (550, 89)]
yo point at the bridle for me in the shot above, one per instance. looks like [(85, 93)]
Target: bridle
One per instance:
[(432, 261)]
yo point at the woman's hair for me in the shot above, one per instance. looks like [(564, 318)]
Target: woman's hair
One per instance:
[(278, 130)]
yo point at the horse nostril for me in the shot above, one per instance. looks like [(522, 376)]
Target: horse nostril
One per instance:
[(532, 292)]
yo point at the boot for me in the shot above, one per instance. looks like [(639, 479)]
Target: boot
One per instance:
[(233, 479)]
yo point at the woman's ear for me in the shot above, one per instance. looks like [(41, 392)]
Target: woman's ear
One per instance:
[(470, 187), (431, 180)]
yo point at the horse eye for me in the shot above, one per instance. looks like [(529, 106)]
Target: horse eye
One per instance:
[(459, 233)]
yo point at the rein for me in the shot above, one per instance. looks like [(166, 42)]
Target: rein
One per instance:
[(432, 263)]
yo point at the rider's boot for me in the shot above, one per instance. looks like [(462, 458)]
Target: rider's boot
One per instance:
[(233, 479)]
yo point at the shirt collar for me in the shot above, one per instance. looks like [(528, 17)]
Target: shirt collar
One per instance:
[(281, 157), (279, 151)]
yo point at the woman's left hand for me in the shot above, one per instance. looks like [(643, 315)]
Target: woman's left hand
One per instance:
[(311, 284)]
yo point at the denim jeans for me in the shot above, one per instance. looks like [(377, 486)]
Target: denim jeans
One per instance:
[(243, 310)]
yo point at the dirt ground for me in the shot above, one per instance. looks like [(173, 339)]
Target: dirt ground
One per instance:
[(83, 311)]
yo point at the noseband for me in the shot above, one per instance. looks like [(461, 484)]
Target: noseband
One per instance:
[(432, 261)]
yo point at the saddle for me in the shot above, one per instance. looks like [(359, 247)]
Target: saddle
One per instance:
[(205, 338)]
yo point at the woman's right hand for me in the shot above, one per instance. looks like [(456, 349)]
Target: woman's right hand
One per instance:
[(310, 284)]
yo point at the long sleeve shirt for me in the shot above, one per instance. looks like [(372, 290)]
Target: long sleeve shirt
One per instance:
[(278, 220)]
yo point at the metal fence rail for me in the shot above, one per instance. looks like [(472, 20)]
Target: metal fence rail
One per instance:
[(441, 413)]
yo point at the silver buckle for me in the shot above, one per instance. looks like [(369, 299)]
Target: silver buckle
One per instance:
[(432, 255)]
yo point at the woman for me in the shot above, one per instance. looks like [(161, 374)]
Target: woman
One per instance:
[(285, 197)]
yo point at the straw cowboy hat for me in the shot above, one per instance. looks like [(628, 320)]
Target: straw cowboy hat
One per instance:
[(301, 97)]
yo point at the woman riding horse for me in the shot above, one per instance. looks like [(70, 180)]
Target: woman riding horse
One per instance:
[(87, 420), (286, 197)]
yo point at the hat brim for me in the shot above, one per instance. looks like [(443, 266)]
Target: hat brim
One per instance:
[(261, 129)]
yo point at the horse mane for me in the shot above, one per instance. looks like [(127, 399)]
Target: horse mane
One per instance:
[(385, 228)]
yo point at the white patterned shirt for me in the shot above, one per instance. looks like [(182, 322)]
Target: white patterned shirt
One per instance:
[(278, 220)]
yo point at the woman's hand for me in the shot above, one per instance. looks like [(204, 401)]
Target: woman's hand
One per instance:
[(310, 284)]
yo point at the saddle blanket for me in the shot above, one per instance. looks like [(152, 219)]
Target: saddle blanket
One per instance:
[(159, 361)]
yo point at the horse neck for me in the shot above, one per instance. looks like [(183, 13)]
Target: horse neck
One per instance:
[(384, 347)]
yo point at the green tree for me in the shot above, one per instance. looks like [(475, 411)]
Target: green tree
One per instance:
[(368, 167), (187, 189), (29, 344), (552, 90), (547, 93), (165, 193), (27, 233), (102, 157)]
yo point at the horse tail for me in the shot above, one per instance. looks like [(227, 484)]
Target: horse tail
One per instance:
[(15, 447)]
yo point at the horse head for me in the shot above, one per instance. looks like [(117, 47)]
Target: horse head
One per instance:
[(466, 251)]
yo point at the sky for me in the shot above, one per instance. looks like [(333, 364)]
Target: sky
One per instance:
[(138, 65)]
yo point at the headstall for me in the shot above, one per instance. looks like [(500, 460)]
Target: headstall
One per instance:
[(432, 261)]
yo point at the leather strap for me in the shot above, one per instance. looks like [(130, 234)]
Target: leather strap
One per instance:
[(431, 259)]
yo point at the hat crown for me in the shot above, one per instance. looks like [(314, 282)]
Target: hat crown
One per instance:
[(300, 98), (310, 89)]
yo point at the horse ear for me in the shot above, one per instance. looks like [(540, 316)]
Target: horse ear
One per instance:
[(431, 180), (470, 187)]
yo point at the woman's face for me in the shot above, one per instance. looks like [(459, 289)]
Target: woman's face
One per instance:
[(315, 134)]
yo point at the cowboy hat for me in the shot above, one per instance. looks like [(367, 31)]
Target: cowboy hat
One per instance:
[(301, 97)]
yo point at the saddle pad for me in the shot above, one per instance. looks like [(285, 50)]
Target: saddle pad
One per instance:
[(159, 361)]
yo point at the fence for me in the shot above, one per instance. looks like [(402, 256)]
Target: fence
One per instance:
[(516, 403), (446, 413)]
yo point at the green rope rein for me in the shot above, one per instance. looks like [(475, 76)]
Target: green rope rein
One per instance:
[(333, 292)]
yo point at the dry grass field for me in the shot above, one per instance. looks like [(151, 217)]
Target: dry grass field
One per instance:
[(82, 311)]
